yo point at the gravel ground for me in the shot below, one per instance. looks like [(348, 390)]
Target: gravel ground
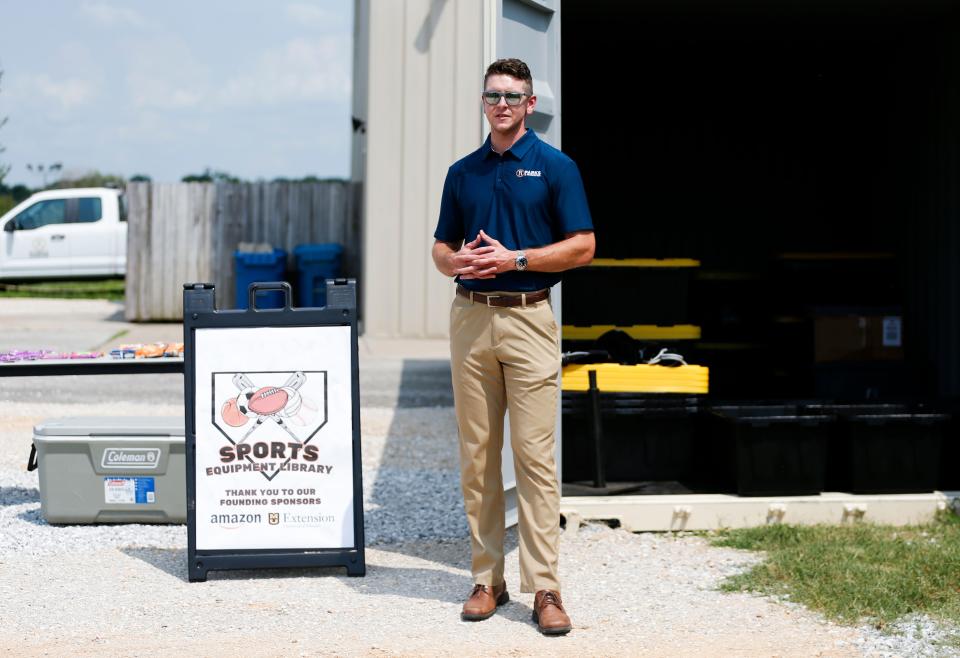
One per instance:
[(122, 590)]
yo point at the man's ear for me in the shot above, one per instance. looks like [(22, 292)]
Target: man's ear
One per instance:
[(532, 103)]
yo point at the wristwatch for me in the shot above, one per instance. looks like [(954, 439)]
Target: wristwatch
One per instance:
[(521, 261)]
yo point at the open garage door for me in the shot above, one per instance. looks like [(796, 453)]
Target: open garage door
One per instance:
[(803, 157)]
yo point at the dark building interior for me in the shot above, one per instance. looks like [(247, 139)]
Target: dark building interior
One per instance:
[(805, 156)]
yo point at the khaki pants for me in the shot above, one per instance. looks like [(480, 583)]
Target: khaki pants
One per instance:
[(508, 359)]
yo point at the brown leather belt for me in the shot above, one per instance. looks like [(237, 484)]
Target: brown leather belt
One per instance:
[(504, 299)]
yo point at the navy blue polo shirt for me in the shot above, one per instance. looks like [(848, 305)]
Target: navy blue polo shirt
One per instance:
[(530, 196)]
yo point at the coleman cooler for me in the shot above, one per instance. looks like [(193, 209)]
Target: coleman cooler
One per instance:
[(111, 469)]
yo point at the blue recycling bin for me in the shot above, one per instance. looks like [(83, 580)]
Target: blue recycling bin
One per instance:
[(254, 267), (315, 264)]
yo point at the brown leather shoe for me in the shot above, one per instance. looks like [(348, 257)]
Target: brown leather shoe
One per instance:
[(483, 602), (549, 614)]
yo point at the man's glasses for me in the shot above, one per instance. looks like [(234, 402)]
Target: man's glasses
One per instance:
[(493, 97)]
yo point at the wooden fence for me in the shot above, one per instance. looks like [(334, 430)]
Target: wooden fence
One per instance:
[(187, 232)]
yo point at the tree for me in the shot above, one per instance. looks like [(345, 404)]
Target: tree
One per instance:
[(11, 196), (90, 179), (140, 178), (210, 176), (18, 192), (309, 178), (4, 168)]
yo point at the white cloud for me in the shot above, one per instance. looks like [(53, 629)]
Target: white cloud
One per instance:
[(311, 15), (111, 16), (300, 70), (152, 92), (41, 89), (163, 73)]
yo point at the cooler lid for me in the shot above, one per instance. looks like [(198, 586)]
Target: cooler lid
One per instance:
[(111, 426)]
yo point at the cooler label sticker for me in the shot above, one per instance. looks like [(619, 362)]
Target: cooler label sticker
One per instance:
[(892, 331), (129, 491)]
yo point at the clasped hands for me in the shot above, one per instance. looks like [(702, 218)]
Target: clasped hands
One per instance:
[(473, 261)]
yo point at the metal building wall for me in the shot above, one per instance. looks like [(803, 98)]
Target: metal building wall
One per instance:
[(416, 107)]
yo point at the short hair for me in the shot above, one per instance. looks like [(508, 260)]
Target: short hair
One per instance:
[(515, 68)]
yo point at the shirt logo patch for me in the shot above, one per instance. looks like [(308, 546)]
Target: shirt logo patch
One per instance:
[(528, 172)]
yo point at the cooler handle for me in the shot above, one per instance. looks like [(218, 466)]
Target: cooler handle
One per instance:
[(32, 459)]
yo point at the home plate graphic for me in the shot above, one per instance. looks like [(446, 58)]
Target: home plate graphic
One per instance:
[(270, 419)]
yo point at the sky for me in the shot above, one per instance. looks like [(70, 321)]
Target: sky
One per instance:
[(258, 89)]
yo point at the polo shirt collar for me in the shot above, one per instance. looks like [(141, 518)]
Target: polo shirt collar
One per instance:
[(518, 150)]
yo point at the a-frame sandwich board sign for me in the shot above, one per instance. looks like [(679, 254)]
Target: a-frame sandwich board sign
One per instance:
[(272, 433)]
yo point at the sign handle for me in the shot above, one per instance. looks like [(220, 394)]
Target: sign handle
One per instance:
[(258, 286)]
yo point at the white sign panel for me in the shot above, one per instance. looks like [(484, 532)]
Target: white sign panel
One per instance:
[(274, 456)]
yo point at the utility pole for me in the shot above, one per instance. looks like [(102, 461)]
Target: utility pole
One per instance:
[(43, 171)]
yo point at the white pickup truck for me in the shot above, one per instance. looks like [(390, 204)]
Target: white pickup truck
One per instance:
[(65, 233)]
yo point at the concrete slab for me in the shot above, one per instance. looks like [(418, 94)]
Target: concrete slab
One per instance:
[(646, 513), (74, 325)]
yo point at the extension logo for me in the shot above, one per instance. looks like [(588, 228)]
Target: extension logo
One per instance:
[(270, 420)]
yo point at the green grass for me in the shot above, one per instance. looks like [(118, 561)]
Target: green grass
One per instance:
[(111, 289), (858, 572)]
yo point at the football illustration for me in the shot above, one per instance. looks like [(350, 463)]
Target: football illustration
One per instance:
[(278, 404), (267, 401)]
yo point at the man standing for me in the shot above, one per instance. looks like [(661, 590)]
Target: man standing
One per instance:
[(513, 216)]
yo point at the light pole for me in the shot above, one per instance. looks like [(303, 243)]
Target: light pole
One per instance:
[(43, 171)]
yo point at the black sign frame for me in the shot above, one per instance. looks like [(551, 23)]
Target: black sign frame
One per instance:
[(200, 312)]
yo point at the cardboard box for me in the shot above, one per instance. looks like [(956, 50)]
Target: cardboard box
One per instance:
[(853, 337)]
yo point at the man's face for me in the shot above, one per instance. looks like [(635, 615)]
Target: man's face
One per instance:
[(502, 117)]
